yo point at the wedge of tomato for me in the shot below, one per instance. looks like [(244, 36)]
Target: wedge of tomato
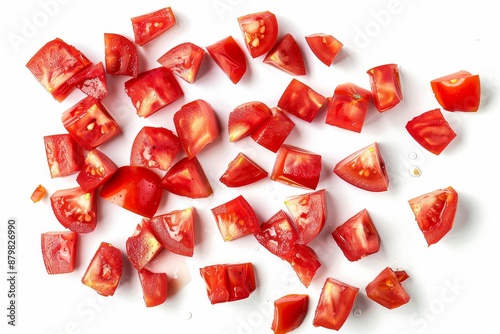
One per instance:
[(75, 209), (301, 100), (142, 246), (273, 132), (149, 26), (229, 56), (187, 178), (38, 193), (260, 32), (105, 270), (97, 170), (459, 91), (242, 171), (121, 56), (385, 83), (325, 47), (184, 60), (235, 219), (154, 147), (286, 56), (278, 235), (289, 312), (245, 118), (386, 289), (64, 155), (59, 251), (435, 213), (154, 287), (304, 262), (91, 81)]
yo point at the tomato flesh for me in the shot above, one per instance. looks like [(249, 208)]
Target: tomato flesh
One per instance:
[(38, 193), (154, 287), (245, 118), (97, 170), (228, 282), (242, 171), (386, 290), (105, 270), (230, 58), (287, 56), (385, 86), (325, 47), (304, 262), (59, 251), (301, 100), (91, 81), (149, 26), (260, 32), (75, 209), (121, 56), (273, 132), (278, 235), (64, 155), (187, 178), (142, 246), (184, 60), (289, 312), (459, 91), (236, 219), (154, 147)]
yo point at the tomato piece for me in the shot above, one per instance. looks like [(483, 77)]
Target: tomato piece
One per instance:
[(90, 123), (289, 312), (196, 125), (142, 246), (187, 178), (435, 213), (184, 60), (38, 193), (304, 262), (105, 270), (64, 155), (357, 237), (245, 118), (278, 235), (98, 169), (229, 56), (149, 26), (308, 212), (242, 171), (297, 167), (235, 219), (301, 100), (325, 47), (287, 56), (54, 64), (121, 56), (335, 304), (364, 169), (59, 251), (134, 188), (348, 107), (431, 130), (386, 289), (91, 81), (273, 132), (154, 287), (260, 32), (75, 209), (228, 282), (385, 86), (459, 91), (152, 90), (154, 147), (175, 231)]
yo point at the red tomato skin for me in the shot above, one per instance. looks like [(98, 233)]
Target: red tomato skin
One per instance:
[(260, 32), (236, 219), (59, 251), (459, 91), (229, 56), (154, 147), (289, 312), (149, 26), (91, 81), (245, 118), (305, 263), (385, 86), (301, 100), (184, 60), (278, 235), (325, 47), (121, 56), (75, 209), (105, 270), (435, 213), (287, 56), (386, 290), (64, 155), (335, 304), (348, 107), (90, 123), (228, 282), (154, 287), (431, 130), (273, 132), (142, 246), (242, 171), (187, 178), (134, 188), (97, 170), (216, 281)]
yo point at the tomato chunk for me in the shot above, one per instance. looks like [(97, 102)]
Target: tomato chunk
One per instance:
[(105, 270), (273, 132), (287, 56), (289, 312), (59, 251), (38, 193), (325, 47), (121, 56), (235, 219), (228, 282), (242, 171), (75, 209), (385, 85), (228, 55), (187, 178), (142, 246), (301, 100), (260, 32), (459, 91), (278, 235), (386, 289), (184, 60), (97, 170), (149, 26), (245, 118), (154, 147), (154, 287), (64, 155), (305, 263), (91, 81)]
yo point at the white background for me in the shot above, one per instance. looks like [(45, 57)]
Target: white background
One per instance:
[(451, 284)]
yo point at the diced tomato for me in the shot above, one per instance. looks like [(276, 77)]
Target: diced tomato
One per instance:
[(105, 270), (301, 100), (121, 56), (196, 125), (325, 47), (152, 90), (184, 60), (175, 230), (385, 85), (64, 155), (187, 178), (386, 290), (348, 107), (289, 312), (90, 123), (75, 209), (287, 56), (305, 263), (273, 132), (154, 147), (228, 282), (54, 63), (91, 81), (134, 188), (98, 169), (242, 171), (459, 91), (228, 55), (245, 118), (357, 237), (435, 213), (142, 246), (431, 130), (335, 304), (59, 251), (154, 287), (260, 32), (38, 193), (278, 235), (308, 212), (297, 167), (149, 26), (235, 219), (364, 169)]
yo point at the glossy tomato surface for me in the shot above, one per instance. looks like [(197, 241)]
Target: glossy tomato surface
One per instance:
[(91, 81), (260, 32), (304, 262), (242, 171), (459, 91), (325, 47), (154, 147), (142, 246), (286, 55), (289, 312), (154, 287), (278, 235), (59, 251), (235, 219), (301, 100), (187, 178), (120, 55), (147, 27), (229, 56), (245, 118), (75, 209), (64, 155), (104, 271), (385, 83), (184, 60), (38, 194), (273, 132), (98, 168), (386, 289)]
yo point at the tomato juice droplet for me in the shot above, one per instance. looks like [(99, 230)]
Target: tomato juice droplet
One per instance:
[(415, 171)]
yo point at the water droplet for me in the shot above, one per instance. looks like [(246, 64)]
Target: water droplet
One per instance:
[(415, 171), (357, 312), (188, 315), (271, 188), (256, 249), (275, 197), (287, 282), (412, 155)]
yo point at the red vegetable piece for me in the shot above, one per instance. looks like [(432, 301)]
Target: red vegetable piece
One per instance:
[(38, 193), (301, 100), (105, 270), (91, 81), (59, 251), (286, 56), (64, 155), (149, 26), (305, 263), (260, 32), (142, 246), (75, 209), (385, 85), (242, 171), (228, 282), (228, 55), (235, 219), (278, 235), (386, 290), (245, 118), (154, 147), (187, 178), (121, 56), (273, 132), (459, 91), (325, 47), (97, 170), (289, 312), (154, 287), (184, 60)]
